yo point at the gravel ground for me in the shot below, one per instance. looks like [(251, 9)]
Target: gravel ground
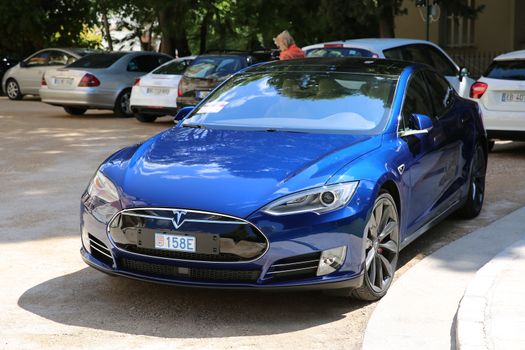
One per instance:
[(51, 300)]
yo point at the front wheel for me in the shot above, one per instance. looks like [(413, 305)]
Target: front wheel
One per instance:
[(122, 107), (12, 90), (476, 191), (381, 249)]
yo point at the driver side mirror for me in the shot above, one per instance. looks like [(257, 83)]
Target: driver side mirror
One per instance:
[(420, 124), (23, 64), (463, 73), (183, 112)]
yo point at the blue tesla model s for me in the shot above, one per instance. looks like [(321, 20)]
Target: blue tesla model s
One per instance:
[(309, 173)]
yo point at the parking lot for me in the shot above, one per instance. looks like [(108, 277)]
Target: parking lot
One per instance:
[(51, 299)]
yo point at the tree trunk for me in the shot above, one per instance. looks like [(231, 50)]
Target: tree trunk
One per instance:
[(106, 30), (204, 31), (174, 41), (386, 21)]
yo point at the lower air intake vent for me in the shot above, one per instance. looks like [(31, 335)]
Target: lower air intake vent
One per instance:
[(301, 266), (100, 251), (193, 274)]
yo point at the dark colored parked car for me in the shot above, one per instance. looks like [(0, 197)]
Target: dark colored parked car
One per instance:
[(208, 71)]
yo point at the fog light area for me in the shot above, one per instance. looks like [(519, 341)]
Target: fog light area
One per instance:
[(331, 260)]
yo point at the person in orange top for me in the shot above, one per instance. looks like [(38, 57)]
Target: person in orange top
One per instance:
[(286, 44)]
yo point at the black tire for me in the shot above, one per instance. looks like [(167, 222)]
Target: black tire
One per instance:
[(75, 110), (476, 191), (145, 118), (12, 90), (122, 107), (490, 145), (381, 249)]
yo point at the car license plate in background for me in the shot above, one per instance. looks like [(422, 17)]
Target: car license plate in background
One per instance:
[(158, 91), (175, 242), (64, 81), (201, 94), (513, 97)]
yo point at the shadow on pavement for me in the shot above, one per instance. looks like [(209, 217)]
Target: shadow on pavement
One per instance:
[(88, 298)]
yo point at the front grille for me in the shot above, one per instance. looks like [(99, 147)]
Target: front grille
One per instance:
[(183, 255), (100, 251), (218, 237), (297, 267), (193, 274)]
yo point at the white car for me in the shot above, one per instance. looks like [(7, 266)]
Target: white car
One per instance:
[(500, 93), (155, 94), (26, 76), (420, 51)]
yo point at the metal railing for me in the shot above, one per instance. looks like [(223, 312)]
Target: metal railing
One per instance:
[(476, 62)]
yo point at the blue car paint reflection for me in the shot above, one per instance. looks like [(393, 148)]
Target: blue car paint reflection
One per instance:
[(235, 173)]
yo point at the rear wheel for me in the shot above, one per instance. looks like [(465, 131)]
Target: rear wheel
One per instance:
[(12, 90), (145, 118), (476, 192), (75, 110), (381, 249), (122, 107)]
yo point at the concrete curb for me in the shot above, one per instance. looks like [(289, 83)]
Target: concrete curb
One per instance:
[(419, 310), (476, 319)]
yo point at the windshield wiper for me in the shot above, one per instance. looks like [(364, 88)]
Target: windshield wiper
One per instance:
[(195, 126)]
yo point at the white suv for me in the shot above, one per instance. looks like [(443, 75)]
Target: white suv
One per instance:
[(419, 51), (500, 93)]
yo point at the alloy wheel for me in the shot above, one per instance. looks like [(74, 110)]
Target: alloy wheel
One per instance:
[(382, 244), (12, 90), (125, 103)]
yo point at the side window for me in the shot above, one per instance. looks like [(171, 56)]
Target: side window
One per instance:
[(416, 53), (440, 91), (142, 64), (417, 101), (440, 62), (58, 58), (161, 60), (40, 59), (394, 54)]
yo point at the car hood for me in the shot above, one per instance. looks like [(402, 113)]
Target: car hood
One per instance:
[(231, 172)]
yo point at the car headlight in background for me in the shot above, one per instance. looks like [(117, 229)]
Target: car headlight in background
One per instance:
[(102, 198), (318, 200)]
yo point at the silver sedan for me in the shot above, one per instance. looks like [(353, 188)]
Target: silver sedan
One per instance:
[(98, 81)]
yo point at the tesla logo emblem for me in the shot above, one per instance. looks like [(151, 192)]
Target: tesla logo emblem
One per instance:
[(178, 220), (401, 169)]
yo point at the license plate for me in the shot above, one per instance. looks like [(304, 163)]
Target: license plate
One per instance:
[(175, 242), (158, 91), (201, 94), (64, 81), (513, 97)]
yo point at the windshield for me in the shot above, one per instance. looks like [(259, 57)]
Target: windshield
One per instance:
[(214, 67), (509, 70), (338, 52), (97, 60), (299, 101)]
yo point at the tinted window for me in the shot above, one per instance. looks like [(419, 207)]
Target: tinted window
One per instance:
[(338, 52), (422, 53), (215, 66), (440, 92), (59, 58), (510, 70), (97, 60), (300, 101), (144, 64), (40, 59), (417, 101), (174, 68)]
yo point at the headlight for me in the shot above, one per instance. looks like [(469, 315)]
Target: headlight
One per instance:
[(318, 200), (103, 198)]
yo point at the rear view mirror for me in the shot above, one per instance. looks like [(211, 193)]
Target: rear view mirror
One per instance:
[(183, 112), (463, 73)]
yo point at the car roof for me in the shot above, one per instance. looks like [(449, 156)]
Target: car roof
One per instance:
[(372, 44), (338, 64), (520, 55)]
